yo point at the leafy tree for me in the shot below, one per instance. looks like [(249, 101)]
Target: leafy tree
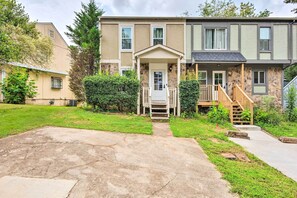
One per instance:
[(290, 72), (223, 8), (20, 40), (293, 2), (292, 104), (17, 87), (85, 52)]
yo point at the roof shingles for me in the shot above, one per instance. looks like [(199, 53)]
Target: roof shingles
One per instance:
[(215, 57)]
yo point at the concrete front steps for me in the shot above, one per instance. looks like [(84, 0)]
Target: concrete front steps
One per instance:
[(245, 128)]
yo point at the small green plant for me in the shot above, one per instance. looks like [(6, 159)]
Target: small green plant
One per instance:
[(246, 115), (263, 117), (17, 87), (218, 114), (291, 104)]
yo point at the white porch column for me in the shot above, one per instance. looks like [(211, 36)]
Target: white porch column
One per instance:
[(138, 77), (178, 81)]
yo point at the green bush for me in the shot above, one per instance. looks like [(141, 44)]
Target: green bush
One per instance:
[(17, 87), (218, 115), (188, 95), (106, 92), (246, 115), (291, 104), (272, 117)]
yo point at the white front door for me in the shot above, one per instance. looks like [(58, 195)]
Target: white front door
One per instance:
[(158, 84), (218, 78)]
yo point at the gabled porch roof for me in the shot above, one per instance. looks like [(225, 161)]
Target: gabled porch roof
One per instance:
[(164, 51)]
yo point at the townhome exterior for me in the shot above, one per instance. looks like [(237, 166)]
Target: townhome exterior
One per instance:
[(236, 60), (52, 80)]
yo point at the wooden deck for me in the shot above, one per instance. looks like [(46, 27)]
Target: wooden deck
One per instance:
[(207, 103)]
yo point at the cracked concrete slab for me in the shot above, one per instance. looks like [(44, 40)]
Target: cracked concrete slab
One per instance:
[(113, 164), (21, 187)]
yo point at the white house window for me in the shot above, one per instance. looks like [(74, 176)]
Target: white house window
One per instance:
[(126, 38), (56, 83), (216, 38), (51, 33), (125, 70), (259, 80), (158, 35), (202, 77), (265, 39)]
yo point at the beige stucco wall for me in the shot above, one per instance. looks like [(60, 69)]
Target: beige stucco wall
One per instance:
[(294, 42), (110, 68), (110, 41), (126, 58), (234, 37), (188, 41), (249, 41), (265, 56), (197, 37), (280, 42), (175, 37), (141, 36)]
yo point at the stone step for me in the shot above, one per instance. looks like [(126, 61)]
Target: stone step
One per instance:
[(247, 127)]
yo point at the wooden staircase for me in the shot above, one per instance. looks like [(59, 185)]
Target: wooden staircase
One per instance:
[(159, 111), (236, 115)]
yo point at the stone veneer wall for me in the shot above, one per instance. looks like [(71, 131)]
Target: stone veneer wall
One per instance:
[(111, 68), (274, 77)]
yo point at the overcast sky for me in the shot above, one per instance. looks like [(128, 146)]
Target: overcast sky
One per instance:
[(61, 12)]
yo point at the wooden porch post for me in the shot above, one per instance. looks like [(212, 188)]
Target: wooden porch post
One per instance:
[(138, 77), (196, 71), (242, 76), (178, 81)]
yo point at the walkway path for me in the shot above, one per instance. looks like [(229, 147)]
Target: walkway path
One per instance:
[(275, 153), (161, 129)]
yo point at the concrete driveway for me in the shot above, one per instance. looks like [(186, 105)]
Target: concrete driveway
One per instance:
[(112, 164)]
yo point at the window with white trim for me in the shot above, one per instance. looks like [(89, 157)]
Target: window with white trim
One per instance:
[(125, 70), (126, 38), (216, 38), (259, 82), (56, 82), (265, 40), (158, 35), (202, 77)]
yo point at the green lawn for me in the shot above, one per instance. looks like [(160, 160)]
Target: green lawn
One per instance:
[(287, 129), (248, 179), (19, 118)]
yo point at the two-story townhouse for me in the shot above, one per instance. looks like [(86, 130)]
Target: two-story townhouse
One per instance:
[(236, 60), (52, 80)]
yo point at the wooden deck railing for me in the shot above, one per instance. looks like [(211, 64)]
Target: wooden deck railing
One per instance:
[(226, 101), (145, 96), (172, 97), (208, 93), (243, 100)]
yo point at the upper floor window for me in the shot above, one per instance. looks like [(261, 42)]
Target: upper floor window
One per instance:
[(158, 36), (51, 33), (126, 38), (265, 38), (216, 38)]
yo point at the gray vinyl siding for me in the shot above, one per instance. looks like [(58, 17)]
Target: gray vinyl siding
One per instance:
[(280, 42)]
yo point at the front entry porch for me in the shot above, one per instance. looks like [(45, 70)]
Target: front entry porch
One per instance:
[(158, 69)]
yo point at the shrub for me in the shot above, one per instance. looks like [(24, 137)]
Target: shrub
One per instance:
[(17, 86), (291, 104), (271, 117), (246, 115), (105, 92), (189, 95), (218, 115)]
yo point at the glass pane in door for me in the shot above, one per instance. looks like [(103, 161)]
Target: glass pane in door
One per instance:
[(158, 81)]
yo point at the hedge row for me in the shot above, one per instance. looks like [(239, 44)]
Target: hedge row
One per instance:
[(106, 92), (189, 95)]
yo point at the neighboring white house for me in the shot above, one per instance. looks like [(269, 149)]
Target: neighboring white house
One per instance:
[(286, 89)]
